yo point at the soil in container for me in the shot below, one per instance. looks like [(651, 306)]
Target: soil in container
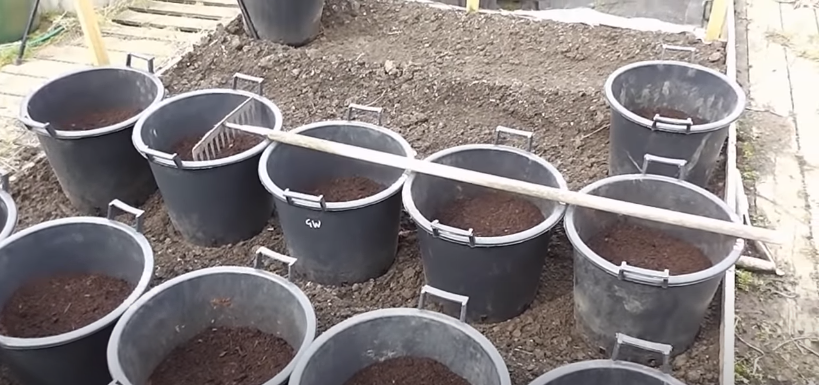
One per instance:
[(241, 142), (235, 356), (492, 214), (347, 189), (649, 249), (62, 303), (406, 371), (649, 112), (98, 119)]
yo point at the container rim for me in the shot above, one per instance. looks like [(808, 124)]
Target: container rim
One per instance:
[(114, 366), (141, 147), (575, 367), (14, 343), (11, 214), (491, 350), (542, 227), (39, 127), (673, 280), (382, 195), (697, 128)]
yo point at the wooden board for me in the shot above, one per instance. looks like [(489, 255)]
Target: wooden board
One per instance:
[(91, 31), (42, 68), (80, 55), (129, 17), (217, 3), (149, 33), (189, 10), (10, 106), (19, 85)]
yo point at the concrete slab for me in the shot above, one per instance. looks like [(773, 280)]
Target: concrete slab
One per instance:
[(9, 106)]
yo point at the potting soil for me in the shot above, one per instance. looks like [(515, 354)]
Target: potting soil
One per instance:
[(491, 214), (445, 79), (648, 248), (242, 142), (224, 356), (650, 112), (62, 303), (347, 189), (406, 371), (97, 119)]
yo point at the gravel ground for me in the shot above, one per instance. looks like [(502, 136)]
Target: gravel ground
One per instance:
[(444, 79)]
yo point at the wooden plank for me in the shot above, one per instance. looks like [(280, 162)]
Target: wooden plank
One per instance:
[(149, 33), (42, 68), (91, 31), (716, 21), (9, 106), (19, 85), (80, 55), (183, 10), (215, 3), (137, 19)]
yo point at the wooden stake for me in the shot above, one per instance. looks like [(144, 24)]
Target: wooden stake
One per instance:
[(472, 5), (91, 31), (716, 20), (520, 187)]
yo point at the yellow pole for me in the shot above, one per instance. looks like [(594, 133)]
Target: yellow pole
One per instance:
[(91, 31), (716, 21), (472, 5)]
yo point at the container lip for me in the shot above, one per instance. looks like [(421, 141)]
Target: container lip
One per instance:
[(697, 128), (382, 195), (11, 214), (575, 367), (114, 366), (542, 227), (674, 280), (141, 147), (14, 343), (39, 127), (491, 350)]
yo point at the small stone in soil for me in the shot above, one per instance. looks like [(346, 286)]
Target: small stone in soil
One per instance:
[(406, 371), (648, 249), (222, 355), (97, 119), (649, 112), (347, 189), (62, 303), (241, 142), (491, 214)]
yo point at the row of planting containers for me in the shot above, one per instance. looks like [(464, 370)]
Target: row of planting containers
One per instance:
[(662, 162)]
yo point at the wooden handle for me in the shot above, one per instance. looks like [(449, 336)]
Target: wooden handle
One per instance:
[(91, 31), (530, 189)]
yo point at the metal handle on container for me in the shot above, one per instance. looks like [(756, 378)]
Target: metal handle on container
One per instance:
[(5, 185), (680, 163), (252, 79), (639, 275), (117, 206), (149, 61), (352, 108), (440, 230), (660, 121), (292, 197), (678, 48), (663, 349), (528, 135), (446, 296), (154, 154), (263, 253)]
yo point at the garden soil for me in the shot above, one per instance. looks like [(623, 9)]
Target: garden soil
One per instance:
[(444, 79), (406, 371)]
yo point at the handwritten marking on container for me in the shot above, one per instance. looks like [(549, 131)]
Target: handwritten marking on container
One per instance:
[(312, 223)]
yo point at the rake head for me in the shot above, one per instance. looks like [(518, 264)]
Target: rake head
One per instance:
[(220, 136)]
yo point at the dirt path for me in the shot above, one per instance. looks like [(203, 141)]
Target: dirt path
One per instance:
[(444, 79)]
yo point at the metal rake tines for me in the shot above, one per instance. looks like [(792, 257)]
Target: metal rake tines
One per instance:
[(221, 136)]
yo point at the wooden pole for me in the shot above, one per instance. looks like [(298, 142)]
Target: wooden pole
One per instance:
[(91, 31), (520, 187), (472, 5), (716, 20)]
